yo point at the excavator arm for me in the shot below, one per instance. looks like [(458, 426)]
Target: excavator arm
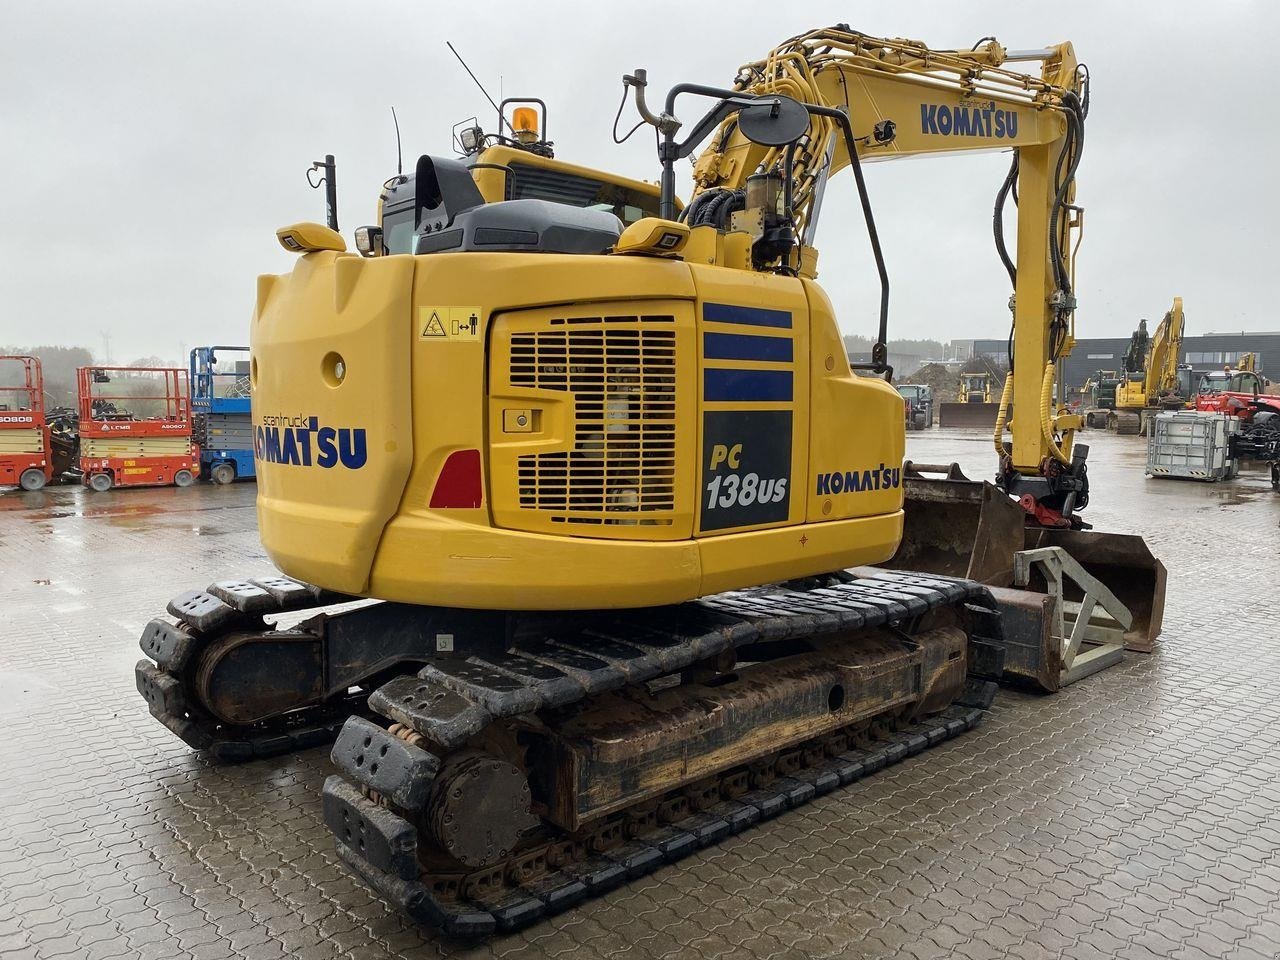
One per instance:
[(1166, 346), (1152, 364), (904, 99)]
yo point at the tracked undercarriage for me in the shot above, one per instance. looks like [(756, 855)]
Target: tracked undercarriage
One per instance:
[(506, 766)]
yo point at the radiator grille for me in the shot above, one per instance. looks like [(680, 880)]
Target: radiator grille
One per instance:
[(621, 371)]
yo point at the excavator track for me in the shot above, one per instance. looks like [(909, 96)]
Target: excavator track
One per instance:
[(500, 789), (206, 618)]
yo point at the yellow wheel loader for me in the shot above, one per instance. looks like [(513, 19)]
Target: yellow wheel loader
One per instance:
[(973, 406), (605, 467)]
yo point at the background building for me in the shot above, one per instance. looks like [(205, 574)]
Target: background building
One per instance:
[(904, 364), (1209, 351)]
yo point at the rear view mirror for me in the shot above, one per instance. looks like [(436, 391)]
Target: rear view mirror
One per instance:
[(369, 241), (774, 121)]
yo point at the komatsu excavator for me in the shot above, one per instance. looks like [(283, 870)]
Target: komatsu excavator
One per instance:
[(607, 468), (1153, 379)]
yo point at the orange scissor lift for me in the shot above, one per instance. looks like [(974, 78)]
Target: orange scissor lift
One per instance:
[(25, 458), (135, 427)]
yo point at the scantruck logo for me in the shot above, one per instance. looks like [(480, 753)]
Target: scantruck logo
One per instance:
[(300, 441)]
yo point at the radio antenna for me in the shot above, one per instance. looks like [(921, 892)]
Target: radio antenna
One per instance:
[(480, 85), (399, 155)]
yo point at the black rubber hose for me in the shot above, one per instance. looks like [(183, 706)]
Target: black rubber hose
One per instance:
[(710, 214), (997, 220), (689, 214), (873, 235), (1074, 145), (1060, 188), (737, 200), (1073, 148)]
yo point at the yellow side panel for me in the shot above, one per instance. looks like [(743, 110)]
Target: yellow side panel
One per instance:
[(1130, 395), (21, 441), (785, 553), (458, 555), (334, 444), (859, 435), (753, 421), (123, 446)]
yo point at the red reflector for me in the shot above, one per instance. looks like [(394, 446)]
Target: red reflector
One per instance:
[(459, 482)]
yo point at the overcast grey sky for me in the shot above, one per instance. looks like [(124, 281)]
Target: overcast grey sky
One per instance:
[(148, 151)]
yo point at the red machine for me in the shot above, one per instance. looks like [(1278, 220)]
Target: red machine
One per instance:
[(25, 457), (135, 427), (1237, 392)]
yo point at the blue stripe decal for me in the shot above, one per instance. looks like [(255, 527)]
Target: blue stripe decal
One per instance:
[(736, 346), (755, 385), (752, 316)]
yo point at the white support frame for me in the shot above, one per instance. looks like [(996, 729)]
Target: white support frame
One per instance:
[(1076, 624)]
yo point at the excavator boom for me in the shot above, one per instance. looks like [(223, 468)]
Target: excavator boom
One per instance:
[(1153, 379)]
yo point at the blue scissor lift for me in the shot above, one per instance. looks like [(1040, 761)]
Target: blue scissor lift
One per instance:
[(220, 404)]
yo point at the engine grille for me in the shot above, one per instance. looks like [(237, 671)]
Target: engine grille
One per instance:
[(621, 371)]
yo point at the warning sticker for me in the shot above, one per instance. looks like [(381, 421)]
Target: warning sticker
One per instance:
[(449, 323)]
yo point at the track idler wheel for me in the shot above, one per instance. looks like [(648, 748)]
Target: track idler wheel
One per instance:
[(479, 809)]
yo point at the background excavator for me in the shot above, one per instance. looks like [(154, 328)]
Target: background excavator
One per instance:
[(1153, 378), (605, 464)]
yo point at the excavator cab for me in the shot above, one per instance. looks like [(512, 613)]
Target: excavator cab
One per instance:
[(1230, 381), (975, 388), (503, 169)]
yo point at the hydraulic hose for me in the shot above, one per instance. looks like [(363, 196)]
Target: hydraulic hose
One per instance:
[(1072, 148), (1046, 414), (1006, 395), (997, 220)]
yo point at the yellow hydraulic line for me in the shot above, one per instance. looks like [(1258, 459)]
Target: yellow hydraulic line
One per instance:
[(1046, 415), (1005, 396)]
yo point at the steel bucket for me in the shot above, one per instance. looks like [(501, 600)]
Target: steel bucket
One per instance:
[(954, 414), (957, 526), (971, 528)]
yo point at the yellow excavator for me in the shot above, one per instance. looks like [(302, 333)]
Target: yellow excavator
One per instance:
[(1153, 378), (605, 465)]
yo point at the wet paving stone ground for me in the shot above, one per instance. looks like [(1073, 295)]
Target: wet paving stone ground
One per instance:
[(1134, 815)]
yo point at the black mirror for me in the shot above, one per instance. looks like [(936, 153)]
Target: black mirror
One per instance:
[(774, 121), (369, 241)]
